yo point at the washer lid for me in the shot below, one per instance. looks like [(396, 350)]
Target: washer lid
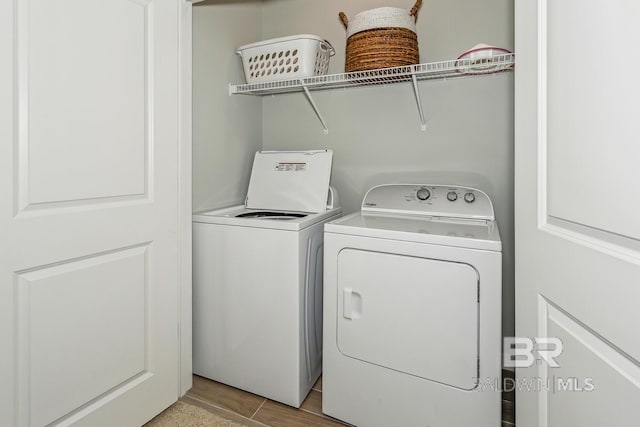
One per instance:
[(290, 180)]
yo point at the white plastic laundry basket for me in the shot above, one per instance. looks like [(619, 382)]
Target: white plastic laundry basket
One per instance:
[(286, 58)]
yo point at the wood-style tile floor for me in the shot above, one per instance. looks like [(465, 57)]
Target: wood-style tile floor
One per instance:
[(253, 411)]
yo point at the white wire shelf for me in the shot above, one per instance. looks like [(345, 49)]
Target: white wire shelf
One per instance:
[(432, 70), (429, 71)]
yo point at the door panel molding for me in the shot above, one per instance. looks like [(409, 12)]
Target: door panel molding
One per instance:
[(115, 161), (72, 317), (608, 352), (95, 404), (611, 244), (591, 124), (552, 317), (592, 237)]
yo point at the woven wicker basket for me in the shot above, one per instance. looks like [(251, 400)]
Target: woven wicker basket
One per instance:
[(381, 38)]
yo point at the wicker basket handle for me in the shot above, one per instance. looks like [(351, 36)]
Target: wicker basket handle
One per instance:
[(414, 10), (344, 18)]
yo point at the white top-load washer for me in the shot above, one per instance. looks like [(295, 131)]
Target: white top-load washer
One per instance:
[(412, 310), (257, 279)]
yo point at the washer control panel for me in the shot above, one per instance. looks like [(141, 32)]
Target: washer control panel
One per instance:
[(429, 200)]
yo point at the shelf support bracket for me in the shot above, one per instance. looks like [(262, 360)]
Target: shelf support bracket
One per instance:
[(416, 92), (325, 129)]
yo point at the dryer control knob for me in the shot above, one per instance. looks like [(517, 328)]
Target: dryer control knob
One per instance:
[(423, 194), (452, 196), (469, 197)]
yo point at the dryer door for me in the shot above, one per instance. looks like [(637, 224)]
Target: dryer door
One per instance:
[(409, 314)]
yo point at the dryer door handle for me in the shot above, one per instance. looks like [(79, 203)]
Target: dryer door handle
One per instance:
[(351, 304)]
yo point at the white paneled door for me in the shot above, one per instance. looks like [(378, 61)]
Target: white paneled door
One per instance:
[(89, 295), (578, 212)]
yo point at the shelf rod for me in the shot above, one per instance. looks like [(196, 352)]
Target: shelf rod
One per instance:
[(325, 129), (416, 91)]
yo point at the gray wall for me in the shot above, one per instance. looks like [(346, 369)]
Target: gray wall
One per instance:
[(374, 132), (227, 130)]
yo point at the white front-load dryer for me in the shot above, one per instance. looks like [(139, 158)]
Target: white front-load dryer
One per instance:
[(412, 310)]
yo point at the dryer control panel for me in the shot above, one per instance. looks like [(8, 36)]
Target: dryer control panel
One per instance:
[(429, 200)]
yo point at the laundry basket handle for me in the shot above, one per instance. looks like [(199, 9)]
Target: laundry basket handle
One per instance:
[(414, 10), (344, 18)]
